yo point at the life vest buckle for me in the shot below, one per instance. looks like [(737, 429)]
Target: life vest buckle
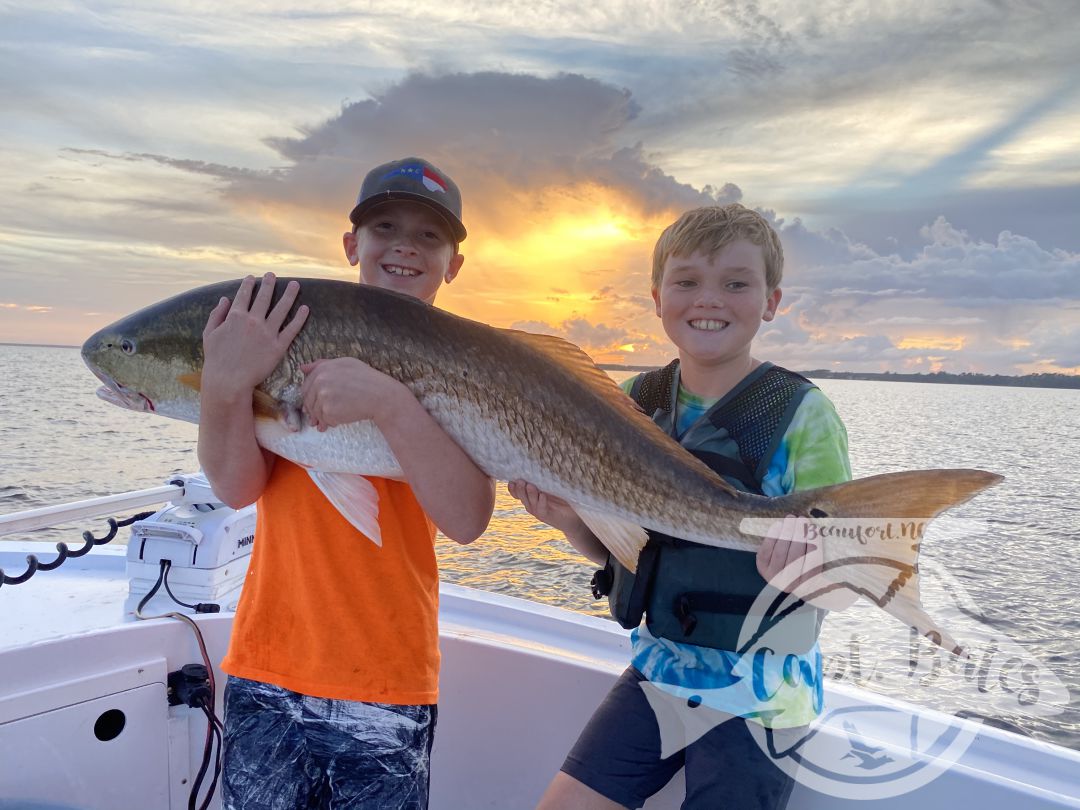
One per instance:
[(687, 620), (601, 582)]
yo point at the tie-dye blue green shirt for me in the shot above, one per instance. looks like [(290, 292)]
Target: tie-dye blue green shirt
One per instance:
[(812, 453)]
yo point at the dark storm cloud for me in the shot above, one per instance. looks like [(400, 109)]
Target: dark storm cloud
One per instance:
[(501, 136)]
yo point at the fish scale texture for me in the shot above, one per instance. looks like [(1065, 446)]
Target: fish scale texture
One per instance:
[(523, 406)]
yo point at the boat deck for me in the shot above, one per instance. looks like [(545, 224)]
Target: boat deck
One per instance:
[(518, 681)]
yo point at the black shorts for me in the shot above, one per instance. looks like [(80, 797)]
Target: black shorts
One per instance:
[(618, 756), (284, 750)]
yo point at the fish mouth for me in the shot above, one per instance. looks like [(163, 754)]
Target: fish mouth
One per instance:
[(125, 398), (120, 395)]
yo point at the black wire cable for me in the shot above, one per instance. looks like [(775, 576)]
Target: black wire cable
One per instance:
[(165, 566), (214, 727), (33, 564), (201, 607), (168, 590), (214, 730), (219, 730), (208, 745)]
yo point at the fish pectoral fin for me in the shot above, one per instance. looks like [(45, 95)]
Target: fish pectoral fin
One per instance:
[(265, 406), (193, 380), (621, 537), (354, 497)]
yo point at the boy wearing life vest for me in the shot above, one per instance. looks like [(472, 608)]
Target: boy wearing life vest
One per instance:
[(334, 656), (715, 279)]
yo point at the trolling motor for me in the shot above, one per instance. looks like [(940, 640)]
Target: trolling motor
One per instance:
[(196, 547)]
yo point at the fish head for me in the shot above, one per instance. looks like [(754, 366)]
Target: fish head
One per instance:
[(151, 361)]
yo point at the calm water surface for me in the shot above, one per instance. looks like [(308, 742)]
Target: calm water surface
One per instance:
[(1005, 580)]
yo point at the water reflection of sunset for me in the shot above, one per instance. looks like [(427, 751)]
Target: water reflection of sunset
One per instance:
[(521, 555)]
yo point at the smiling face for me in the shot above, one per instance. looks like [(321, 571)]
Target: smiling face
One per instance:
[(713, 306), (405, 247)]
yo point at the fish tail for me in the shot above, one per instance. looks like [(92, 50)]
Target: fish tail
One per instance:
[(871, 531)]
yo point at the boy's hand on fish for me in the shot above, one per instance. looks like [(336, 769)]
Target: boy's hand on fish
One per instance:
[(793, 565), (345, 389), (245, 339), (553, 511)]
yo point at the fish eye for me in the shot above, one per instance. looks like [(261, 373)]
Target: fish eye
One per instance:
[(127, 346)]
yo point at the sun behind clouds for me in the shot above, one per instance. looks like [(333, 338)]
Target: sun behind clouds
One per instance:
[(562, 256)]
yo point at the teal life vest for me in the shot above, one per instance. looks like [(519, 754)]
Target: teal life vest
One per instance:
[(698, 594)]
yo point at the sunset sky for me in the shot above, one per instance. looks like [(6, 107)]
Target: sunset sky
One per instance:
[(921, 161)]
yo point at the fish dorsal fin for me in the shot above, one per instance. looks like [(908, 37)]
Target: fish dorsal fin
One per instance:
[(354, 497), (590, 376), (581, 366), (621, 537)]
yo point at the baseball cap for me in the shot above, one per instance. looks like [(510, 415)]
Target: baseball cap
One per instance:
[(411, 179)]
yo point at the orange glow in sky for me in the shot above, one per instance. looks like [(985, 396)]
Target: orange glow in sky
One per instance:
[(551, 260), (952, 343)]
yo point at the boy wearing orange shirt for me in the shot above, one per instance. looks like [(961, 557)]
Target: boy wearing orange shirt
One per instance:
[(334, 656)]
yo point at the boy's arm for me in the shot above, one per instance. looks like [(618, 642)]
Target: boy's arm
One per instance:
[(455, 493), (243, 342)]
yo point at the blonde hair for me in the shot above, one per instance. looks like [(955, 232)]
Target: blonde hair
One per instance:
[(712, 227)]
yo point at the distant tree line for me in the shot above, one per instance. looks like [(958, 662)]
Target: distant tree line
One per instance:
[(965, 378)]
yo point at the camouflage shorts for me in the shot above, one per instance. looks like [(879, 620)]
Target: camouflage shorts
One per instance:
[(291, 751)]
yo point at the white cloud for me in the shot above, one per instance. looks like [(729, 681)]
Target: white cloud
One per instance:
[(150, 147), (960, 302), (953, 267)]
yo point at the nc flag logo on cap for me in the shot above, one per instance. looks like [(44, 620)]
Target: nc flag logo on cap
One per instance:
[(414, 179), (416, 171)]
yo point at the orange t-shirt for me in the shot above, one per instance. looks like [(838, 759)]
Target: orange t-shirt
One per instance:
[(326, 612)]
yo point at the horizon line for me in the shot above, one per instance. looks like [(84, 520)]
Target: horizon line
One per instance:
[(628, 367)]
